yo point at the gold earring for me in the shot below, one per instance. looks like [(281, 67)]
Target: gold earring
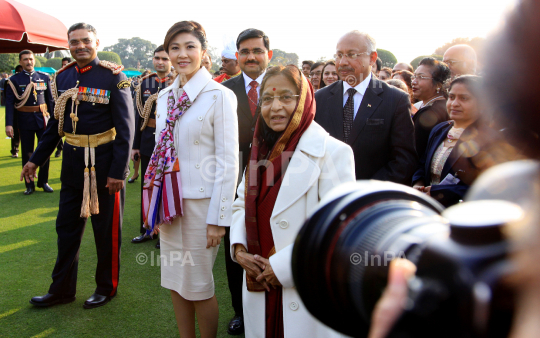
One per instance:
[(438, 90)]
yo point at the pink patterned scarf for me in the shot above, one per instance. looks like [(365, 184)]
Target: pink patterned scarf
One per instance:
[(162, 190)]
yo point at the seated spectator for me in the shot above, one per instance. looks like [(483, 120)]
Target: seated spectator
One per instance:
[(403, 66), (427, 86), (306, 67), (385, 74), (316, 75), (448, 166), (329, 73), (280, 199)]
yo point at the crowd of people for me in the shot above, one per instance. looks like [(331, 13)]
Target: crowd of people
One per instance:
[(243, 156)]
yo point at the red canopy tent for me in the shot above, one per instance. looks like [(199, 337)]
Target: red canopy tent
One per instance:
[(22, 27)]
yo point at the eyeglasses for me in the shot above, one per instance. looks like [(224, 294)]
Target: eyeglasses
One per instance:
[(285, 99), (452, 62), (315, 73), (75, 43), (245, 52), (420, 77), (350, 56)]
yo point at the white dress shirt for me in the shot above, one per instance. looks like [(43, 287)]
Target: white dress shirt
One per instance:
[(360, 92), (247, 81)]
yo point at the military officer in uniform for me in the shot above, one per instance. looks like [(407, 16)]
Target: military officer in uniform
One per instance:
[(94, 111), (29, 100), (145, 127)]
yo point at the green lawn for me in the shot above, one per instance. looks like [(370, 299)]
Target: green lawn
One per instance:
[(28, 253)]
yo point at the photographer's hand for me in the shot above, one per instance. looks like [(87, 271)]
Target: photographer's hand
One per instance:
[(268, 274), (390, 305)]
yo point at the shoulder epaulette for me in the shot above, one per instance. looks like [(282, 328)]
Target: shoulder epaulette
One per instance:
[(115, 69), (42, 73), (147, 76), (69, 65)]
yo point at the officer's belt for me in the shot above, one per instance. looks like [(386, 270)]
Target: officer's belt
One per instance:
[(33, 109), (151, 123), (91, 141)]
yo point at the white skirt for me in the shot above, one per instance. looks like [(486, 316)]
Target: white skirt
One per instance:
[(186, 263)]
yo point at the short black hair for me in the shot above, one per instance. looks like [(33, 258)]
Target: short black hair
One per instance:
[(316, 64), (24, 52), (440, 71), (308, 62), (379, 64), (159, 49), (251, 33), (82, 25), (66, 59), (18, 69)]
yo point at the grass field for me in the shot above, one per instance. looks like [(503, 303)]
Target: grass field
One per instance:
[(142, 307)]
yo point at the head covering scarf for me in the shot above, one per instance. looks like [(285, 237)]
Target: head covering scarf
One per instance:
[(162, 190)]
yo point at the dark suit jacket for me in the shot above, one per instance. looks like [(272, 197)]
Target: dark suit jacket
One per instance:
[(476, 139), (424, 120), (246, 123), (382, 137)]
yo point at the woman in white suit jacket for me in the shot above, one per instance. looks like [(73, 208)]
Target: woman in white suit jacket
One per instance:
[(318, 163), (206, 142)]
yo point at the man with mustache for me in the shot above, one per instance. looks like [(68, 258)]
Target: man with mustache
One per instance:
[(94, 111), (370, 116), (29, 100), (253, 56)]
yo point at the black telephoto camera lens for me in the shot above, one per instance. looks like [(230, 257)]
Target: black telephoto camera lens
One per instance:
[(342, 254)]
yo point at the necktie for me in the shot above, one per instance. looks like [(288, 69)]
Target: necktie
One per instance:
[(348, 114), (253, 97)]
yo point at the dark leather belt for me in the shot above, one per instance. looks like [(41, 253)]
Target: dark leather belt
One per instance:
[(29, 109), (151, 123)]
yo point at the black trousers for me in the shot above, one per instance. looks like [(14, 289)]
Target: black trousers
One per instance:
[(16, 137), (145, 160), (27, 149), (107, 226), (235, 274)]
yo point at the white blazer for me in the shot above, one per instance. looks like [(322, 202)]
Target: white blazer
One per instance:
[(206, 140), (319, 163)]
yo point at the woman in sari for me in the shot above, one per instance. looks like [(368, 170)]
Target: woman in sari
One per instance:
[(293, 164)]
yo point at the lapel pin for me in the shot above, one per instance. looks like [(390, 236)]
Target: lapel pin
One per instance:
[(368, 105)]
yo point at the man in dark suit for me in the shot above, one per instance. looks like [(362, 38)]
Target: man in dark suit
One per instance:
[(370, 116), (253, 55)]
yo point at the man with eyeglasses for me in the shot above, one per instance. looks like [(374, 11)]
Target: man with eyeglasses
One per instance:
[(461, 59), (94, 111), (366, 113), (29, 100), (229, 63), (145, 125), (253, 56)]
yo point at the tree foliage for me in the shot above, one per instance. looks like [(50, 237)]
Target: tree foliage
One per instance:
[(283, 58), (110, 56), (417, 60), (42, 60), (476, 43), (8, 62), (55, 63), (388, 59), (134, 52), (215, 56)]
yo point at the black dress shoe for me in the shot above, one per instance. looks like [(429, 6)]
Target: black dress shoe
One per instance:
[(157, 245), (58, 152), (141, 238), (236, 326), (29, 191), (50, 300), (96, 300), (131, 180), (46, 187)]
